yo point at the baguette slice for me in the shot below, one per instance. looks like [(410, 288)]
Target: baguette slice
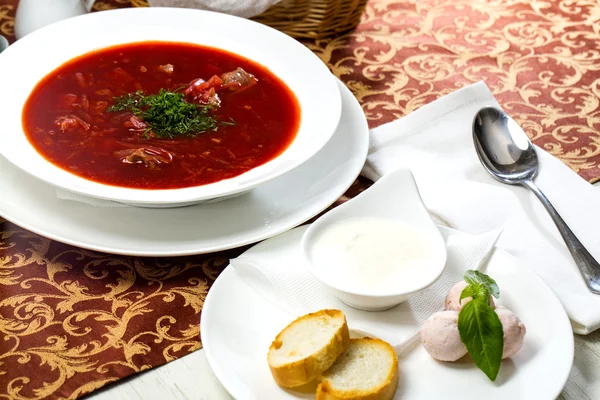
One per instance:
[(367, 370), (307, 347)]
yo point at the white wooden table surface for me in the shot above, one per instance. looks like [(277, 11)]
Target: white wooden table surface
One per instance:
[(190, 377)]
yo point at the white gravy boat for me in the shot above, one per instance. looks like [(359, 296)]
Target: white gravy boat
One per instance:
[(34, 14), (394, 197)]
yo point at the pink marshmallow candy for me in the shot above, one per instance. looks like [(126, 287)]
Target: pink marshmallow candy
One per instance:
[(514, 331), (452, 300), (440, 337)]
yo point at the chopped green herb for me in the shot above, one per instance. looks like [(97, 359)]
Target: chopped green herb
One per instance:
[(231, 122), (129, 102), (168, 114)]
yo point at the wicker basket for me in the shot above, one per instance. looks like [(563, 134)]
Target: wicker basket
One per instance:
[(314, 19)]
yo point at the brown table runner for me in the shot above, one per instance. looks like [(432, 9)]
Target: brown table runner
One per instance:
[(73, 320)]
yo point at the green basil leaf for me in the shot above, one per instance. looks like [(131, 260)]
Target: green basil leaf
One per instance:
[(481, 332), (469, 291), (476, 291), (483, 293), (475, 278)]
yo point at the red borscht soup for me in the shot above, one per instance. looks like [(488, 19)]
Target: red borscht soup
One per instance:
[(158, 115)]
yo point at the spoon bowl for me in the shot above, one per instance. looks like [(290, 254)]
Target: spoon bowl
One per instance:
[(509, 156), (392, 264), (503, 148)]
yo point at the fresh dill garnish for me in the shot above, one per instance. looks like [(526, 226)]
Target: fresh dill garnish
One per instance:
[(167, 113), (129, 102), (231, 122)]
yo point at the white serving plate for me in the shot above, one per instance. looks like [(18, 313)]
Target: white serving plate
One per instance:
[(37, 54), (238, 325), (272, 208)]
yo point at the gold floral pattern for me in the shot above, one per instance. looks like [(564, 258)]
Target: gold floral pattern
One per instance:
[(73, 320), (68, 314), (7, 19), (540, 58)]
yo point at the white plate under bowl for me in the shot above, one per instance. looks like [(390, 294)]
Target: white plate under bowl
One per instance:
[(238, 325), (37, 54), (268, 210)]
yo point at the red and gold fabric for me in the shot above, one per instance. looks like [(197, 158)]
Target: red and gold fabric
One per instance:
[(73, 320)]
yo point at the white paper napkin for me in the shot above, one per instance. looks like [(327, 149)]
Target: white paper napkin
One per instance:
[(245, 9), (276, 269), (436, 143)]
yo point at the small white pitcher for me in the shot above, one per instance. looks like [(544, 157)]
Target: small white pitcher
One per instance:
[(33, 14)]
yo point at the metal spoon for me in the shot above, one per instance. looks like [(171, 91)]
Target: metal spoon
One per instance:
[(508, 155), (3, 43)]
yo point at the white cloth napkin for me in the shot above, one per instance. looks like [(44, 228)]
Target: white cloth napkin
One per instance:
[(436, 143), (276, 269), (245, 9)]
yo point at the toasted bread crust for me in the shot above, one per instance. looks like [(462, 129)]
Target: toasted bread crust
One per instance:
[(385, 391), (300, 372)]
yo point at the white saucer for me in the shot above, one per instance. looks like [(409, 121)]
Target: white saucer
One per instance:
[(238, 326), (268, 210)]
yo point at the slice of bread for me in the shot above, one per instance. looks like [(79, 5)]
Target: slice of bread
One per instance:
[(307, 347), (366, 370)]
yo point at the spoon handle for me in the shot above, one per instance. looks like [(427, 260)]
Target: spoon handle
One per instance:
[(588, 266)]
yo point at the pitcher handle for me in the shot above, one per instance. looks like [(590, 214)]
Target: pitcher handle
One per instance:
[(88, 4)]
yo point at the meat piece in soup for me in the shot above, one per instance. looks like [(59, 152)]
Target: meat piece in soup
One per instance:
[(205, 92), (71, 123), (237, 80), (150, 157)]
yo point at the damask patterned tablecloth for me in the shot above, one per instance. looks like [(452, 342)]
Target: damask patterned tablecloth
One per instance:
[(73, 320)]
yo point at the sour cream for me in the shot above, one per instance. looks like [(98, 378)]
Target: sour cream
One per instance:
[(374, 255)]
